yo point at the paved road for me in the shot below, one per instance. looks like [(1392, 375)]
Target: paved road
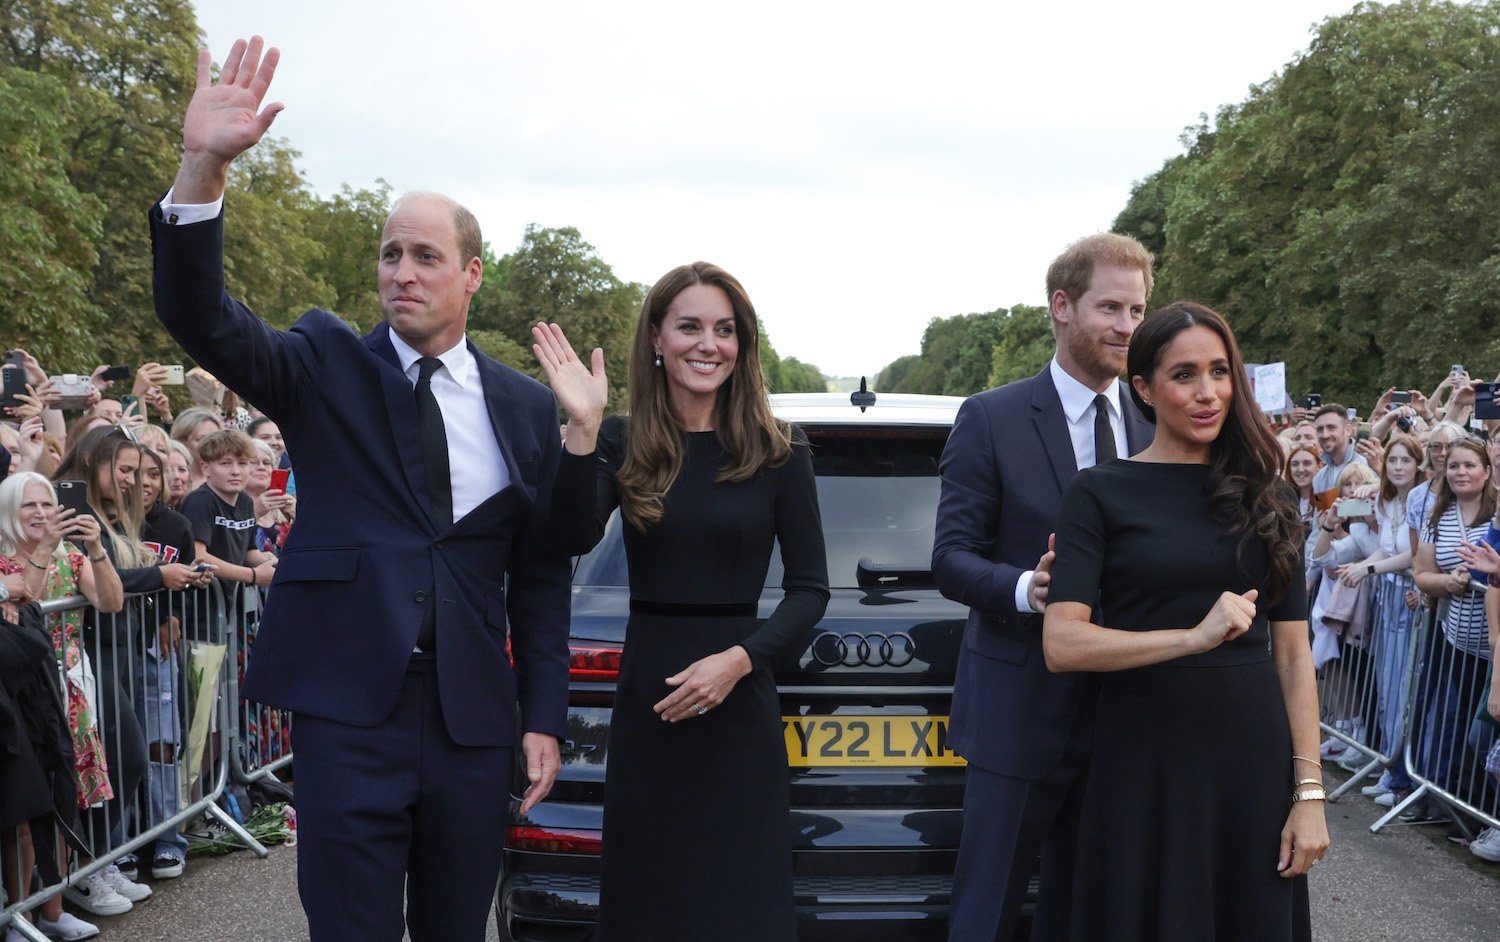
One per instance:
[(1405, 884)]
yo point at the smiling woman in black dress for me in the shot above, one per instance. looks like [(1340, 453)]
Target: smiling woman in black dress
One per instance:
[(1204, 808), (697, 834)]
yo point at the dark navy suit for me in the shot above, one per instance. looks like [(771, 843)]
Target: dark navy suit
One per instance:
[(403, 763), (1024, 731)]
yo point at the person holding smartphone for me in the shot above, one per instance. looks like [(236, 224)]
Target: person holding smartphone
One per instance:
[(61, 553)]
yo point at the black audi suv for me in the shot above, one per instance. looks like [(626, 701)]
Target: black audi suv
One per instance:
[(876, 791)]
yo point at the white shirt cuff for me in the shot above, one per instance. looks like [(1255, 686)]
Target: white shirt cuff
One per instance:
[(1023, 592), (184, 214)]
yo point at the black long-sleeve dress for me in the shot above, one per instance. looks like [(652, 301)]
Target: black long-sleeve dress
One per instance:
[(1190, 780), (696, 822)]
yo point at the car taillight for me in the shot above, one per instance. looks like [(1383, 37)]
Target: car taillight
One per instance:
[(554, 840), (596, 664)]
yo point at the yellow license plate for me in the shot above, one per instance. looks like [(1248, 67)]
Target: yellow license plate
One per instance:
[(868, 740)]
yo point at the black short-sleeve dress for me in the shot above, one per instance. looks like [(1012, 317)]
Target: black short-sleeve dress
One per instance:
[(697, 832), (1191, 777)]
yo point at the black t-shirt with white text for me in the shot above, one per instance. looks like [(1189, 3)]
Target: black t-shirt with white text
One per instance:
[(228, 531)]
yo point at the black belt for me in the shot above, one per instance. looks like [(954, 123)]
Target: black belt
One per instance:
[(703, 610)]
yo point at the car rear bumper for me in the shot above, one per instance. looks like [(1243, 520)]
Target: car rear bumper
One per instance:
[(561, 907)]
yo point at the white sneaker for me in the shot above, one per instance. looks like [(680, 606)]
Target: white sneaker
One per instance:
[(97, 896), (67, 927), (126, 887), (1487, 845), (1386, 800), (1379, 788)]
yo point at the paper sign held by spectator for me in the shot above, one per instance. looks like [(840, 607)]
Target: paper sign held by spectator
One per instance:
[(1270, 387)]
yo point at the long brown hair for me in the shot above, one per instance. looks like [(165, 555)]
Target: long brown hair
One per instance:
[(1446, 498), (121, 517), (752, 437), (1245, 459)]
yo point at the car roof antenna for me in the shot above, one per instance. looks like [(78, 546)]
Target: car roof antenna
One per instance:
[(862, 397)]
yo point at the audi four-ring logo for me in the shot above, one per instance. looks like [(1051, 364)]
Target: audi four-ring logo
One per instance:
[(875, 649)]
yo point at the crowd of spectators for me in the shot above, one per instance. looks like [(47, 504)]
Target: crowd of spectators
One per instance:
[(1400, 506), (158, 519)]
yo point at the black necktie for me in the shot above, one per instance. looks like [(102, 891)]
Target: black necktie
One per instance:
[(434, 443), (439, 481), (1104, 433)]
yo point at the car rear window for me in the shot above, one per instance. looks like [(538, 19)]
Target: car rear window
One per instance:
[(877, 492)]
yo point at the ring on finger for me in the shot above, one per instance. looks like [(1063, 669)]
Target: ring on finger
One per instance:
[(702, 710)]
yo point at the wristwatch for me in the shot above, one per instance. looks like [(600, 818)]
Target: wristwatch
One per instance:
[(1370, 570), (1310, 794)]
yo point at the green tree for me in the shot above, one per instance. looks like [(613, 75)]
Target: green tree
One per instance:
[(557, 277), (1256, 211), (1421, 257), (346, 228), (1025, 345), (51, 229)]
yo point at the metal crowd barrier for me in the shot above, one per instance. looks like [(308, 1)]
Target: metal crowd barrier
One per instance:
[(1402, 697), (172, 734)]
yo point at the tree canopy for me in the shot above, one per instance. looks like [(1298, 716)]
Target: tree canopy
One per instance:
[(92, 94)]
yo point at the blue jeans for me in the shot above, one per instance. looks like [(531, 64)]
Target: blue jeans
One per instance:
[(1390, 649), (160, 713)]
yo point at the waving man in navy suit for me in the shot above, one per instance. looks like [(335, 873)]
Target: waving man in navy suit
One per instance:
[(1025, 733), (424, 469)]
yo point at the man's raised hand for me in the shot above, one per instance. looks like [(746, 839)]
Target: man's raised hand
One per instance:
[(225, 119)]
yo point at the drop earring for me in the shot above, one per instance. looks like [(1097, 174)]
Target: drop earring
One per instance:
[(658, 358)]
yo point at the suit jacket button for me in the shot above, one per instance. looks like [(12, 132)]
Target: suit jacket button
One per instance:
[(419, 596)]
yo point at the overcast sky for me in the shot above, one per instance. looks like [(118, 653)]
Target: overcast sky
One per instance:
[(861, 167)]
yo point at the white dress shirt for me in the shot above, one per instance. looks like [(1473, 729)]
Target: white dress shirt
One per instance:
[(477, 469), (1078, 408)]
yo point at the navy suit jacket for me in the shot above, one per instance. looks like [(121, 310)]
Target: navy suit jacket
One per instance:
[(366, 556), (1003, 473)]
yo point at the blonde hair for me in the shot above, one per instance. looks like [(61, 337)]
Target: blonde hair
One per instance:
[(1357, 474)]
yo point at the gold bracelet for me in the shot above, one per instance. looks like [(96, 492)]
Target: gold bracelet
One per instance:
[(1311, 794), (1306, 759), (1307, 781)]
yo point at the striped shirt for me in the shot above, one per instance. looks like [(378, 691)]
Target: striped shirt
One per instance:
[(1463, 621)]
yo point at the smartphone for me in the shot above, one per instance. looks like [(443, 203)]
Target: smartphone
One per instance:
[(1362, 434), (1351, 507), (73, 495), (1400, 399), (131, 405), (1353, 414), (116, 373), (1457, 368), (204, 567), (174, 376), (15, 385), (279, 478), (1485, 406), (1312, 401), (14, 358)]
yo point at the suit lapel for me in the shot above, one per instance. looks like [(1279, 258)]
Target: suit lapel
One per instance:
[(1139, 432), (504, 417), (1052, 427), (401, 412)]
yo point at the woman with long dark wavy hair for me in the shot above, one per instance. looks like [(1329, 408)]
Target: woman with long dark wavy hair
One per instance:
[(1205, 805), (705, 479)]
